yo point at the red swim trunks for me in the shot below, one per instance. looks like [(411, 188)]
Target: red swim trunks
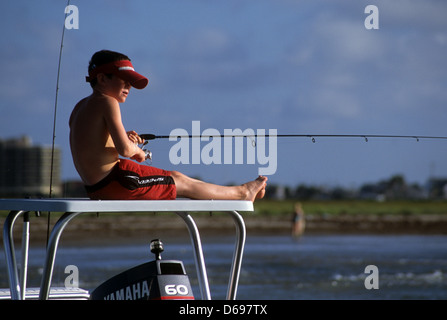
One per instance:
[(129, 180)]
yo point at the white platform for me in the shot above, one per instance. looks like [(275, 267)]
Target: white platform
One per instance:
[(86, 205), (75, 207)]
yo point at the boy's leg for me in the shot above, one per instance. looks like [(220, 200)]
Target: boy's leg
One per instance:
[(196, 189)]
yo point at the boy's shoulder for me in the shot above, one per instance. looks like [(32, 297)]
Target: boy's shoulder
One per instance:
[(102, 98), (100, 101), (94, 104)]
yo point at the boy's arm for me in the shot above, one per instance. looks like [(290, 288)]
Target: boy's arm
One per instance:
[(123, 145)]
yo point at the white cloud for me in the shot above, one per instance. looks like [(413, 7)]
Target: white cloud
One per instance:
[(348, 40)]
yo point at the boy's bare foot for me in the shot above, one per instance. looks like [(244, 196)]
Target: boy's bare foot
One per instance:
[(255, 189)]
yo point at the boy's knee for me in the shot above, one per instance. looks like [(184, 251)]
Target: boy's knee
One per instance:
[(176, 174)]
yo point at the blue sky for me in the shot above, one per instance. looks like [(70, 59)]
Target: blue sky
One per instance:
[(304, 67)]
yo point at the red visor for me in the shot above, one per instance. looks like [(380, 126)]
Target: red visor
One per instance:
[(123, 69)]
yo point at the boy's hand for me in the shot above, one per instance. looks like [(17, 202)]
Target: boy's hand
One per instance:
[(139, 155), (134, 137)]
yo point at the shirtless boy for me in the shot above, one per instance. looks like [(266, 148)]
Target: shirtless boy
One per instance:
[(98, 138)]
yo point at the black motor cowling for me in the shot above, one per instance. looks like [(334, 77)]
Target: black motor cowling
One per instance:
[(154, 280)]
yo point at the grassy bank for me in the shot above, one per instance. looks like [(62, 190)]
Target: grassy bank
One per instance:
[(271, 217), (352, 207), (268, 207)]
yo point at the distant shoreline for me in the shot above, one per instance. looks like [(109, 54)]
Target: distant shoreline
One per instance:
[(126, 228)]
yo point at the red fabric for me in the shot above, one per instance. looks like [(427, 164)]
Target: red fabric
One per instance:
[(132, 181)]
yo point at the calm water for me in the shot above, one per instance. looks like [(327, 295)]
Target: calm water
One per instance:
[(277, 267)]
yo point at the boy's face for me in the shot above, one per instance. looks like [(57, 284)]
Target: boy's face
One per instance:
[(115, 87)]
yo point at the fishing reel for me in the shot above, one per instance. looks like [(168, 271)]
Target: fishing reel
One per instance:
[(147, 152)]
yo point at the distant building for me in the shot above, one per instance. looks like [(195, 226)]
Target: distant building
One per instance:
[(438, 188), (25, 170)]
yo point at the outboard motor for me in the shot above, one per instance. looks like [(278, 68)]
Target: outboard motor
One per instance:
[(154, 280)]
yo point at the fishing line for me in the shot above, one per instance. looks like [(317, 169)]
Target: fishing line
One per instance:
[(54, 119), (311, 136)]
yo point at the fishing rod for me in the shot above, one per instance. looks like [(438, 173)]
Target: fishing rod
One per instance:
[(54, 122), (312, 136), (55, 107)]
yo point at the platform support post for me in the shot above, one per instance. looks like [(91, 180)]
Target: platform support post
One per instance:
[(198, 254)]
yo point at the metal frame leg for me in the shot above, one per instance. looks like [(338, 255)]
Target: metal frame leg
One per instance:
[(67, 217), (24, 251), (198, 254), (237, 256), (8, 243), (200, 261), (51, 253)]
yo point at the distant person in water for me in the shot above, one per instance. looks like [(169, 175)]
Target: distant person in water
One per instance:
[(298, 221), (98, 138)]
